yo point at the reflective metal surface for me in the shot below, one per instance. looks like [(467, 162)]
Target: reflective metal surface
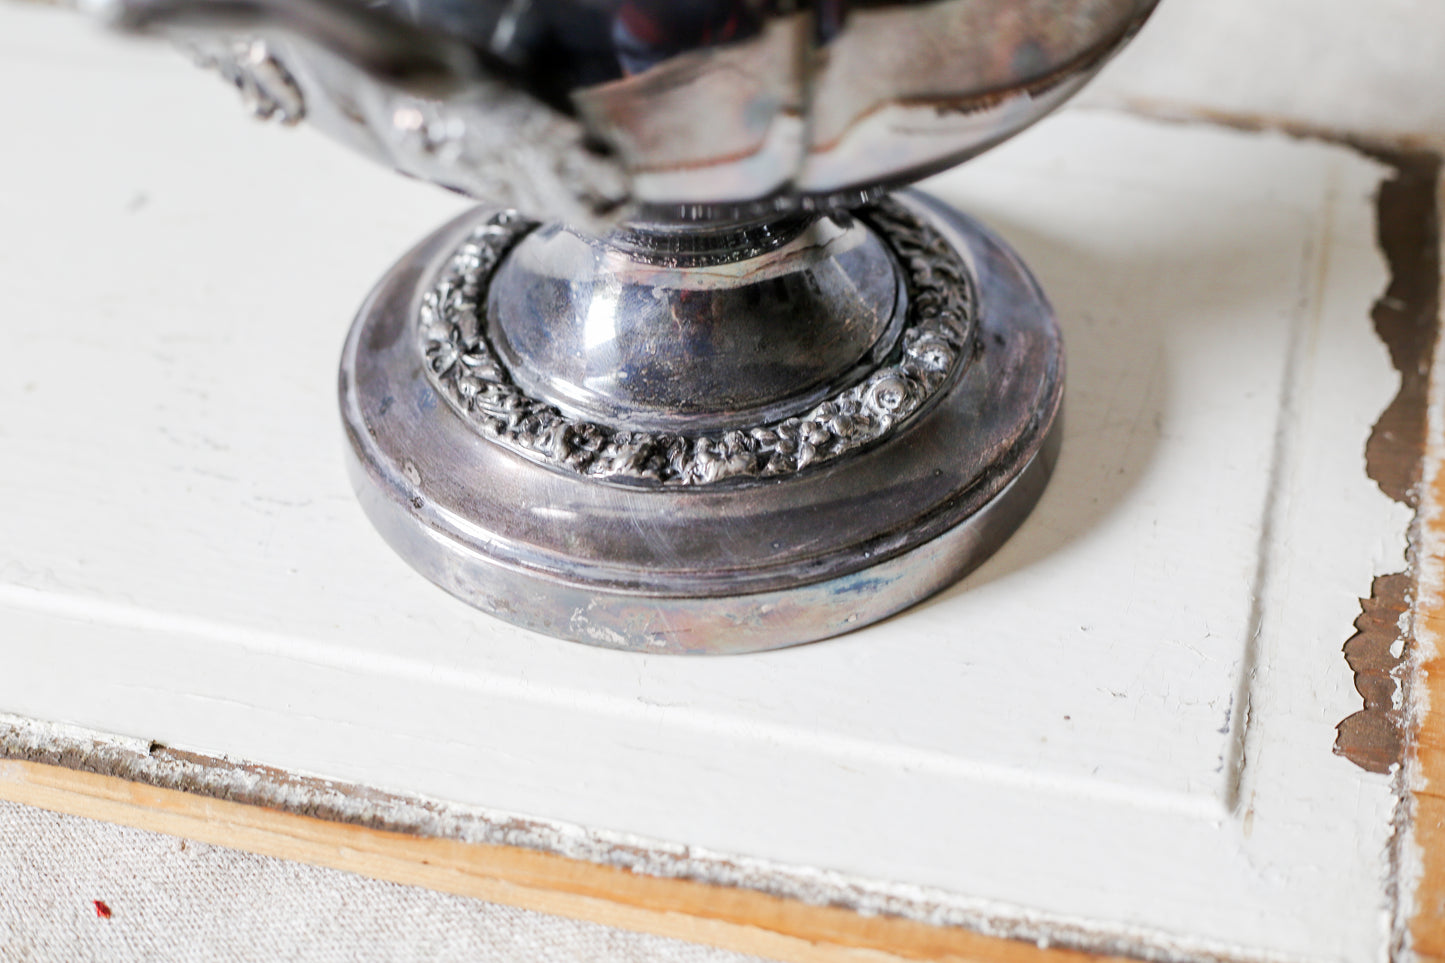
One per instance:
[(605, 334), (735, 566), (697, 384), (588, 111), (811, 410)]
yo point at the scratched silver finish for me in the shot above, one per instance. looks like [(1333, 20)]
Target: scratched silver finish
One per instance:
[(577, 320), (733, 567), (692, 381), (590, 112)]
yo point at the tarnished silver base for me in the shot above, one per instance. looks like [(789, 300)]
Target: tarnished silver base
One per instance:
[(640, 449)]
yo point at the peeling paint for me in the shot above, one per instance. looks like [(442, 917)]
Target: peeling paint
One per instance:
[(1373, 738), (1406, 319)]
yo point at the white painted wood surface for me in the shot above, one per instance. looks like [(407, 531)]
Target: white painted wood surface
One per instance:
[(1122, 723), (1368, 68)]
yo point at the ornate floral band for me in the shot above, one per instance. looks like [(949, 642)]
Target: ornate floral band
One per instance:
[(695, 382)]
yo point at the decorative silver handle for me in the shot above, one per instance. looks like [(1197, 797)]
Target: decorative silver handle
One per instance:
[(404, 54), (423, 101)]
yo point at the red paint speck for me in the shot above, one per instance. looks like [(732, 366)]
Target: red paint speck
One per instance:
[(101, 909)]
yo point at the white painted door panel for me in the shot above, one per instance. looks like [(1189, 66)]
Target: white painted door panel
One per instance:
[(1061, 740)]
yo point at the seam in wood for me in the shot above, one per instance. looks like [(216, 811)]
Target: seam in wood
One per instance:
[(58, 768), (743, 920)]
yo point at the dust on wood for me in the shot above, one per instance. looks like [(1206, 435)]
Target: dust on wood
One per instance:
[(1406, 319)]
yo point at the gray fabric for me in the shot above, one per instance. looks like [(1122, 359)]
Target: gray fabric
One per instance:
[(176, 900)]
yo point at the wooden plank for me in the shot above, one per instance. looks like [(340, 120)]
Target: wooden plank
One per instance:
[(1427, 928), (735, 919), (1428, 932), (1425, 767)]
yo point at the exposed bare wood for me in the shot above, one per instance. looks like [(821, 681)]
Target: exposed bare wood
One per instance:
[(1426, 766), (1429, 928), (736, 919)]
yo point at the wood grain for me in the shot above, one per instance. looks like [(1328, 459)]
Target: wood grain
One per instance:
[(735, 919), (1428, 929), (1428, 926), (1426, 762)]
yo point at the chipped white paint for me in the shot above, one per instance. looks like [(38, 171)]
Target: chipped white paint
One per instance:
[(234, 779), (1121, 723)]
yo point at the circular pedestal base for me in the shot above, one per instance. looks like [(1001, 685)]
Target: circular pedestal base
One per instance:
[(738, 565)]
